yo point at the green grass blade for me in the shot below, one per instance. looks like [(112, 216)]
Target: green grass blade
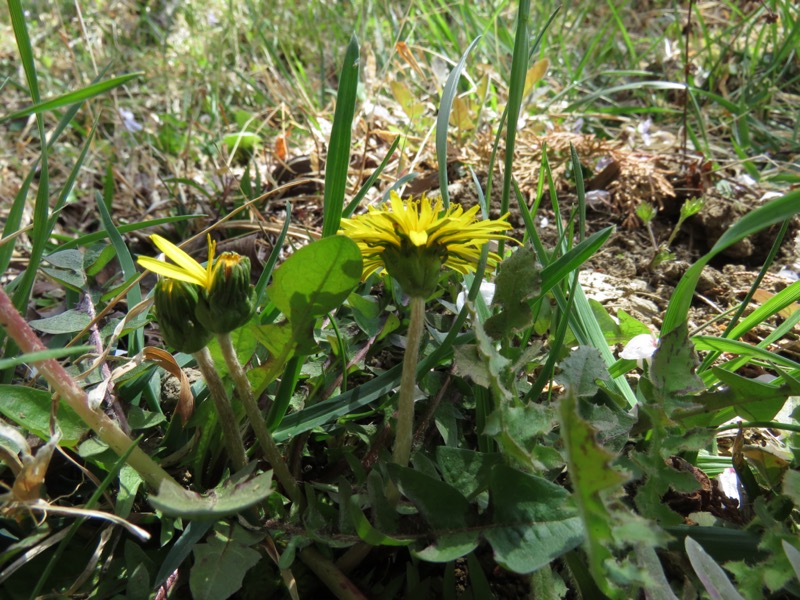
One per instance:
[(572, 260), (261, 285), (577, 172), (519, 69), (443, 121), (33, 357), (20, 28), (703, 342), (338, 160), (41, 209), (136, 338), (74, 97), (776, 211), (91, 238), (353, 204)]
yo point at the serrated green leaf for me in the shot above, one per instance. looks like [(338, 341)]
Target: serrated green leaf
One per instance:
[(581, 370), (230, 498), (592, 475), (467, 470), (518, 281), (534, 521), (523, 424), (675, 362)]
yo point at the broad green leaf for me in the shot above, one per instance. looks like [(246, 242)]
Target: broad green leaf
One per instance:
[(765, 401), (534, 521), (230, 498), (592, 475), (445, 510), (66, 267), (220, 564), (630, 326), (30, 408), (791, 486), (243, 140), (69, 321), (316, 279), (581, 370)]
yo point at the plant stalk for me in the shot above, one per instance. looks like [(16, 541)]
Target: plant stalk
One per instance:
[(408, 382), (336, 581), (227, 418), (70, 392), (264, 437)]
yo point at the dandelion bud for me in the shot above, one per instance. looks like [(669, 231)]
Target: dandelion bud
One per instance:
[(175, 303), (230, 300)]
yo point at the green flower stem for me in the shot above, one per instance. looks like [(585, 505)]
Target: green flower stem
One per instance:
[(336, 581), (264, 437), (71, 393), (408, 383), (227, 418)]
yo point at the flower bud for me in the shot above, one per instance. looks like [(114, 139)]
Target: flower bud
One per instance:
[(175, 303), (230, 300)]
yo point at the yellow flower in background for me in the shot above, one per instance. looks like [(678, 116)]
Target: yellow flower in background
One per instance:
[(413, 240), (185, 268)]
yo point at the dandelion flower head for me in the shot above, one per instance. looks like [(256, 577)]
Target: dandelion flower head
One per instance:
[(414, 239)]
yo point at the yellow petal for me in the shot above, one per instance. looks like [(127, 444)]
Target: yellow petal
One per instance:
[(418, 238), (183, 260), (170, 271)]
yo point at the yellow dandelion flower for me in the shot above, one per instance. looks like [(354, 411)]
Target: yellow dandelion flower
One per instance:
[(413, 240), (185, 268)]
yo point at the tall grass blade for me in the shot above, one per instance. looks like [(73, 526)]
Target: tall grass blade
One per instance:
[(353, 204), (519, 69), (78, 96), (443, 121), (126, 263), (773, 212), (338, 160)]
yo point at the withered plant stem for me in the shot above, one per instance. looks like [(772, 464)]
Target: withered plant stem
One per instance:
[(70, 392)]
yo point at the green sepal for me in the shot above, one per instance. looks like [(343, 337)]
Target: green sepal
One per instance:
[(416, 269), (175, 303), (231, 300)]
